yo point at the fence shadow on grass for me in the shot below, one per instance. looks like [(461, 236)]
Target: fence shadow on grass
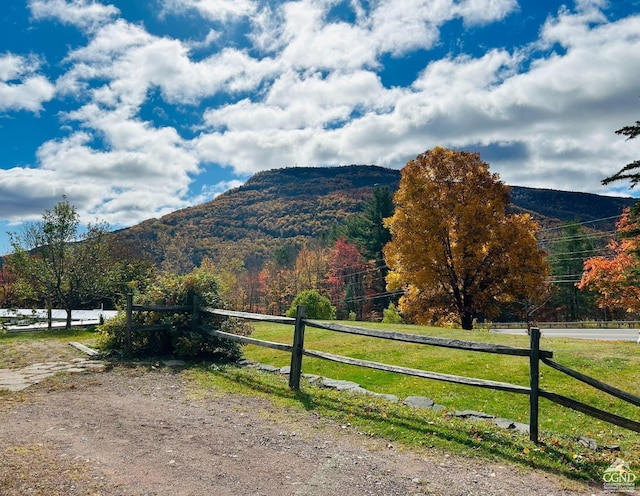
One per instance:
[(377, 417)]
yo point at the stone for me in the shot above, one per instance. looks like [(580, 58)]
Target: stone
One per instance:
[(17, 380), (338, 384), (504, 423), (268, 368), (419, 402), (312, 378), (587, 442), (472, 414)]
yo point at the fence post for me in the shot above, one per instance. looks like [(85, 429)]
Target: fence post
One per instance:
[(298, 347), (534, 382), (127, 332), (195, 315)]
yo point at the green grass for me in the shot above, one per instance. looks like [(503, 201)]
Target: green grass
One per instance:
[(616, 363)]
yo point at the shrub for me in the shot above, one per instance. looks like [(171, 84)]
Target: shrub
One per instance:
[(390, 315), (178, 337), (318, 306)]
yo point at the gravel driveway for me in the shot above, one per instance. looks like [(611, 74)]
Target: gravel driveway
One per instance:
[(135, 432)]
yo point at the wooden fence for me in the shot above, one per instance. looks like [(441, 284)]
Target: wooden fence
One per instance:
[(297, 350), (580, 324)]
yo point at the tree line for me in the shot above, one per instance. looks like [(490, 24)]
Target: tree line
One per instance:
[(445, 248)]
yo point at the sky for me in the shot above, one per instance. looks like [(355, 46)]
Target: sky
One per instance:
[(133, 109)]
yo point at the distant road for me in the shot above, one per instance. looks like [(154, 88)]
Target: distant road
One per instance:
[(597, 334)]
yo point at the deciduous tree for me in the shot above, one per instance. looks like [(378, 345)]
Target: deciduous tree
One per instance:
[(454, 248), (346, 278), (617, 277), (55, 263)]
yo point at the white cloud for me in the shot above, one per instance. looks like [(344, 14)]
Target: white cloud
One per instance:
[(211, 191), (478, 12), (149, 175), (543, 121), (25, 193), (309, 92), (212, 37), (215, 10), (86, 14), (133, 61), (21, 88)]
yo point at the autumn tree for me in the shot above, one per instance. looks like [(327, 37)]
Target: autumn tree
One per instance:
[(454, 249), (7, 290), (616, 277), (311, 267), (56, 263), (278, 280), (368, 231), (346, 278)]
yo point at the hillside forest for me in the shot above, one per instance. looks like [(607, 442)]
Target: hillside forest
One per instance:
[(292, 230)]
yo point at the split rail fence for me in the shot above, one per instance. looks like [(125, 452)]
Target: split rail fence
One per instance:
[(297, 350)]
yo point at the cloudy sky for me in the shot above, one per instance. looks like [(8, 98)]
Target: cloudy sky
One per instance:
[(136, 108)]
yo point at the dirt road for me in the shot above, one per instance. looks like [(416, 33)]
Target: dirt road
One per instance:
[(136, 432)]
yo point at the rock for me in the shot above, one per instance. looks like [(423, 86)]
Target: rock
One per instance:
[(285, 370), (419, 402), (504, 423), (388, 397), (472, 414), (510, 424), (338, 384), (312, 378), (587, 442), (268, 368)]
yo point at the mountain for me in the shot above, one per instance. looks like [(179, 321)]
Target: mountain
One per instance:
[(294, 205)]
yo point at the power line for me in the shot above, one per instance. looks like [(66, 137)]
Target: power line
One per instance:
[(584, 223)]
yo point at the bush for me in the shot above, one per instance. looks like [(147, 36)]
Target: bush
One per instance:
[(390, 315), (318, 306), (178, 338)]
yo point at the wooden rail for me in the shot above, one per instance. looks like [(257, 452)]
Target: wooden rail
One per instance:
[(297, 350), (579, 324)]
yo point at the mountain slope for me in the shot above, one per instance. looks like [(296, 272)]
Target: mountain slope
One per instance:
[(296, 204)]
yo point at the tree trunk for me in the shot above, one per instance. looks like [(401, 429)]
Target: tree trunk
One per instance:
[(49, 313), (467, 320), (68, 325)]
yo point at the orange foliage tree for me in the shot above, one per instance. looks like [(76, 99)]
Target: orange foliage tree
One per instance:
[(346, 278), (616, 277), (454, 249)]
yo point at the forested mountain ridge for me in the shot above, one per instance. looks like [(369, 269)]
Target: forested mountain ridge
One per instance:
[(298, 204)]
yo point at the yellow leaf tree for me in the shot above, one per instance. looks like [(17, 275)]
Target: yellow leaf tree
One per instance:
[(455, 250)]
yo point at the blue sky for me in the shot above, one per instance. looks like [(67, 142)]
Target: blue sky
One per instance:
[(133, 109)]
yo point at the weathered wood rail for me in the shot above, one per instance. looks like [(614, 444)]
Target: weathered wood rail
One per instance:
[(297, 350)]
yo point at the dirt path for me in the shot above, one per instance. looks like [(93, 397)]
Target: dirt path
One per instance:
[(135, 432)]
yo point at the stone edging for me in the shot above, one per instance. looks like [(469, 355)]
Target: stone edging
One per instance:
[(412, 401)]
